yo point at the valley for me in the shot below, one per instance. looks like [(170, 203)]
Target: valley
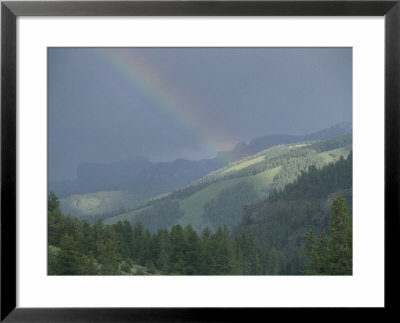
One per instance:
[(267, 202), (103, 190)]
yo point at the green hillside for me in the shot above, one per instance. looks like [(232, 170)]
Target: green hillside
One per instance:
[(282, 220), (193, 206), (98, 203), (230, 188), (334, 154), (304, 228), (106, 203)]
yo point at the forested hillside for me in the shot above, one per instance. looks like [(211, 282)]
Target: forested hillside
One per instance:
[(77, 248), (282, 220), (100, 190), (218, 198), (331, 254), (284, 234)]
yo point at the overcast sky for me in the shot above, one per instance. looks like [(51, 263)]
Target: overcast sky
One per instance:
[(165, 103)]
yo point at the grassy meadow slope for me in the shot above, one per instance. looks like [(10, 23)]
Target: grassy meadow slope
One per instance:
[(106, 203), (193, 206), (97, 203), (218, 198)]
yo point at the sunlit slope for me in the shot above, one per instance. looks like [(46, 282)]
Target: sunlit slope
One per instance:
[(242, 164), (193, 206), (257, 158), (210, 200), (106, 202), (334, 154), (98, 203)]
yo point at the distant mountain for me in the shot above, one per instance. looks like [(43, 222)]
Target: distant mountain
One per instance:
[(150, 179), (140, 175), (243, 149)]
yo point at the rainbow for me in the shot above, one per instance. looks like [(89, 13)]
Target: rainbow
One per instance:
[(133, 68)]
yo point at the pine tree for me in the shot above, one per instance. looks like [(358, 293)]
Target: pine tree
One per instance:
[(146, 252), (52, 253), (312, 253), (162, 239), (224, 257), (69, 261), (125, 237), (192, 254), (90, 265), (96, 238), (110, 259), (322, 250), (331, 255), (137, 242), (339, 249), (53, 202), (176, 264), (162, 261), (55, 220), (207, 259)]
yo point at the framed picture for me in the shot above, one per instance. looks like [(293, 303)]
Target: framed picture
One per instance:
[(167, 160)]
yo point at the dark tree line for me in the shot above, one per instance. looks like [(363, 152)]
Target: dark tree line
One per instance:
[(78, 248), (294, 166), (317, 183), (336, 142), (282, 220), (331, 254)]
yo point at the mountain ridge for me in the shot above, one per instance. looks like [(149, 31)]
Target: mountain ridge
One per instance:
[(198, 202), (167, 176)]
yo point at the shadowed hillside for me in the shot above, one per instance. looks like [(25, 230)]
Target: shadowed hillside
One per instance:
[(282, 220)]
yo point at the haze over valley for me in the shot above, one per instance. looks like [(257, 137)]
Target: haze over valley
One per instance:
[(104, 189)]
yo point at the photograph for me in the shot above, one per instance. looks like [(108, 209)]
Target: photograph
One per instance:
[(167, 161), (200, 161)]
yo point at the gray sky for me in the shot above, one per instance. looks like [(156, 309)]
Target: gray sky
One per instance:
[(165, 103)]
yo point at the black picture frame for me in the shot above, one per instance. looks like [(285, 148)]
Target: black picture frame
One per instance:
[(10, 10)]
